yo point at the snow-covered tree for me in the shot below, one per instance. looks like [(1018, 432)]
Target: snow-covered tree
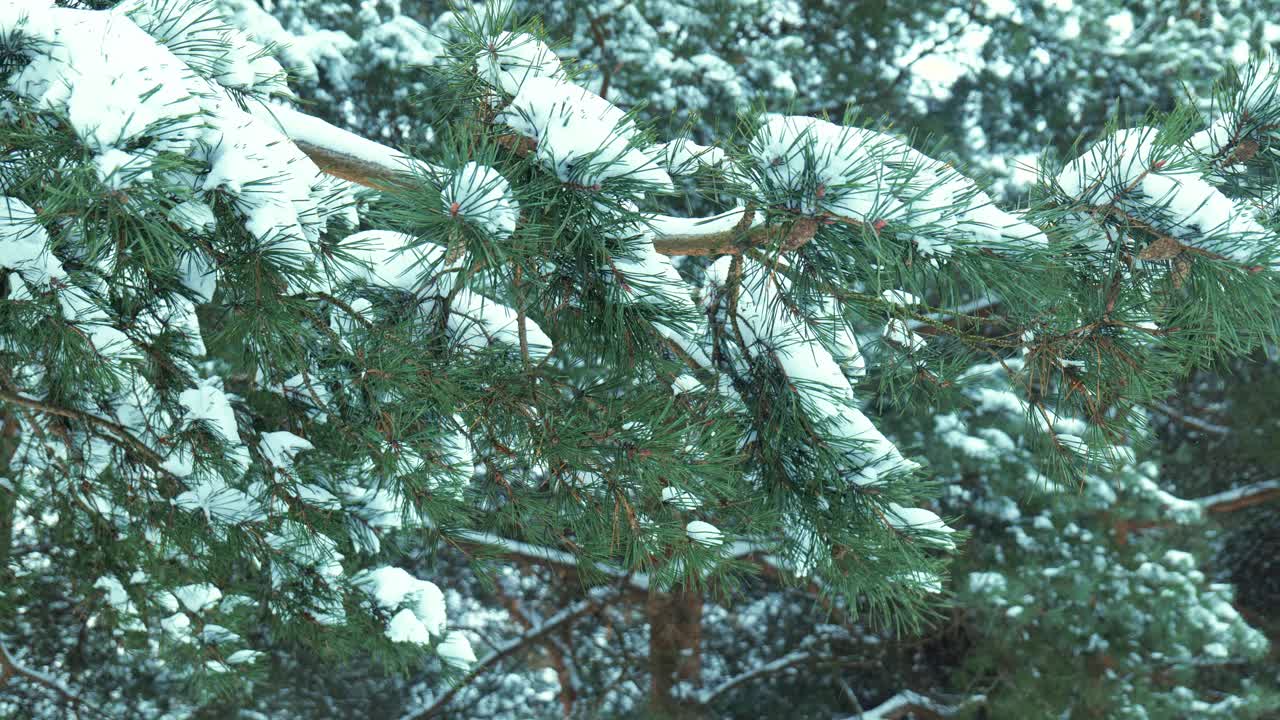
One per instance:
[(275, 393)]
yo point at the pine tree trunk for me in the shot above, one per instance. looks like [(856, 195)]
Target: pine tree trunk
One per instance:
[(8, 500), (675, 652)]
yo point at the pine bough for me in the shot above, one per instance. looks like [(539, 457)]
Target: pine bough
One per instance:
[(206, 360)]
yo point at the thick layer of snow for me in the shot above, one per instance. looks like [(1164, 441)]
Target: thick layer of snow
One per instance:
[(208, 404), (772, 332), (479, 194), (110, 80), (920, 581), (510, 59), (394, 260), (921, 519), (24, 244), (897, 333), (220, 502), (680, 499), (456, 650), (197, 597), (1127, 170), (280, 448), (581, 137), (704, 533), (667, 226), (818, 167), (418, 604)]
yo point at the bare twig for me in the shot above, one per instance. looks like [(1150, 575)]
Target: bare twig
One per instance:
[(108, 428), (534, 634), (10, 668), (769, 668), (1240, 498), (1190, 421)]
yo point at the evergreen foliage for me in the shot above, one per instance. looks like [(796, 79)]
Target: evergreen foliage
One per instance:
[(613, 367)]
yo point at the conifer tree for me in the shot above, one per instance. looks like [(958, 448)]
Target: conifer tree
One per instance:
[(257, 371)]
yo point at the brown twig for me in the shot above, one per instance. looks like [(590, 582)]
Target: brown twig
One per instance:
[(113, 430), (11, 668), (564, 617)]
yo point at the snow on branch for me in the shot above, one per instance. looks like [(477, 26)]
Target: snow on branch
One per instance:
[(365, 162), (818, 171), (111, 430), (10, 667), (776, 666), (909, 703), (598, 598), (1190, 420), (1132, 177), (769, 329), (342, 153), (1240, 498), (543, 554)]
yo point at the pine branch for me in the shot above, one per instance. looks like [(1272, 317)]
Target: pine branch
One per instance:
[(909, 703), (770, 668), (1191, 421), (969, 310), (635, 582), (10, 667), (341, 153), (546, 555), (1240, 498), (362, 161), (1220, 503), (113, 431), (534, 634)]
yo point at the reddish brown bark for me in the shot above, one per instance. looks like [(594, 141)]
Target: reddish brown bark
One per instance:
[(675, 649)]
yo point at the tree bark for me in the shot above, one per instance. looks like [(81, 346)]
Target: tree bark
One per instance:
[(8, 500), (675, 651)]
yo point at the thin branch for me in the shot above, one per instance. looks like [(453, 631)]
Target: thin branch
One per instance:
[(565, 616), (968, 310), (543, 554), (770, 668), (1240, 498), (113, 430), (634, 581), (597, 33), (909, 702), (1191, 421), (10, 667), (568, 690)]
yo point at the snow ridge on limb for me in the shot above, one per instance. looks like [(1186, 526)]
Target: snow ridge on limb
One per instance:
[(819, 168), (396, 261), (772, 333), (849, 173), (1130, 174)]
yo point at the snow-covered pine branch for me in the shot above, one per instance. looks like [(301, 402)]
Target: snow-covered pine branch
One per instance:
[(238, 384)]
